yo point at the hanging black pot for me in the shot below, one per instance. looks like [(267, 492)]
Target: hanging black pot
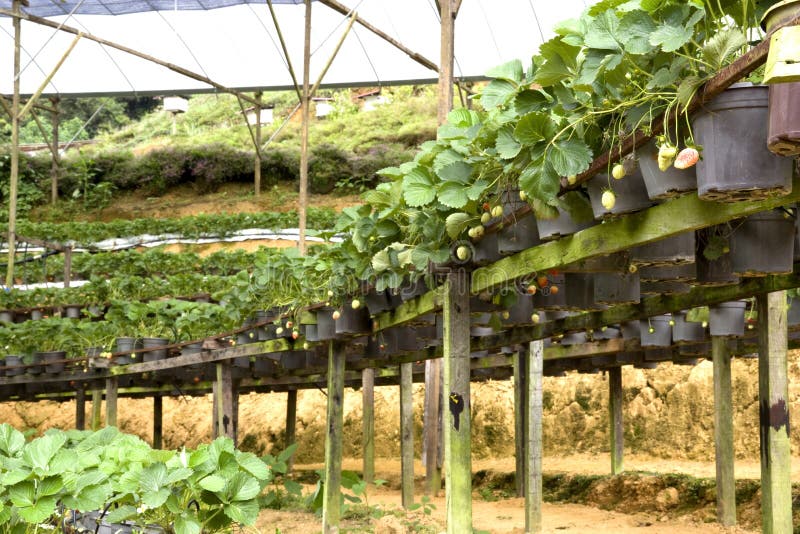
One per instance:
[(485, 250), (36, 315), (36, 364), (676, 250), (783, 137), (326, 325), (520, 312), (718, 271), (553, 296), (660, 184), (630, 330), (684, 331), (580, 290), (13, 360), (656, 332), (377, 301), (664, 287), (612, 288), (727, 318), (310, 332), (678, 273), (574, 338), (411, 290), (793, 315), (763, 244), (605, 332), (263, 366), (618, 262), (192, 348), (72, 312), (154, 343), (517, 236), (127, 345), (50, 358), (630, 192), (736, 164), (353, 321), (6, 316), (561, 226)]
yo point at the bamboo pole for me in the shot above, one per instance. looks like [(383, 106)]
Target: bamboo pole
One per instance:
[(55, 166), (285, 50), (432, 426), (519, 421), (368, 424), (32, 100), (533, 454), (67, 266), (97, 400), (302, 199), (333, 55), (112, 387), (80, 409), (291, 422), (457, 457), (447, 44), (13, 178), (615, 430), (158, 421), (257, 142), (723, 432), (406, 435), (773, 392), (331, 504)]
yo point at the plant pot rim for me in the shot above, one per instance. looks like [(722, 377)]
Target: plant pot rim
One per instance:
[(773, 9)]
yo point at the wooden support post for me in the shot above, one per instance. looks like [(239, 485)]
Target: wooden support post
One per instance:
[(67, 266), (257, 165), (773, 392), (723, 432), (615, 430), (80, 409), (457, 457), (224, 403), (447, 43), (520, 404), (215, 392), (97, 400), (406, 434), (55, 162), (331, 504), (533, 452), (13, 177), (432, 425), (368, 424), (111, 401), (158, 420), (235, 411), (291, 421), (302, 199)]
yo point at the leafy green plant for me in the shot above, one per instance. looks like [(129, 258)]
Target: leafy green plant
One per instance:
[(282, 488)]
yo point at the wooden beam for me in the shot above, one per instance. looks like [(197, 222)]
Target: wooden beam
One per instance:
[(406, 435), (344, 10), (97, 399), (615, 429), (457, 449), (368, 424), (432, 425), (224, 406), (673, 217), (80, 409), (331, 504), (773, 394), (302, 198), (158, 421), (409, 310), (723, 432), (111, 401), (520, 404), (533, 452), (74, 31), (291, 423), (446, 46)]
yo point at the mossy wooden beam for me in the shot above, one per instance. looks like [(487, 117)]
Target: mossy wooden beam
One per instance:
[(97, 399), (520, 405), (368, 425), (432, 426), (111, 401), (331, 503), (723, 432), (457, 446), (773, 395), (673, 217), (409, 310), (615, 429), (406, 435)]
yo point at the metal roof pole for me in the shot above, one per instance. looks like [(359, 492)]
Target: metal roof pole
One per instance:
[(303, 197), (14, 175), (257, 140), (55, 168)]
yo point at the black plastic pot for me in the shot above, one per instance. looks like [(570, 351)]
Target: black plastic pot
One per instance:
[(736, 164), (630, 330), (612, 288), (485, 250), (6, 317), (377, 301), (574, 338), (660, 184), (561, 226), (520, 313), (518, 236), (630, 192), (684, 331), (410, 290), (192, 348), (154, 343), (49, 358), (678, 273), (783, 137), (793, 315), (618, 262), (36, 363), (124, 344), (714, 272), (605, 332), (310, 332), (353, 321), (676, 250), (36, 315), (326, 326), (664, 287), (661, 335), (763, 244), (727, 318), (72, 312), (580, 289), (13, 360)]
